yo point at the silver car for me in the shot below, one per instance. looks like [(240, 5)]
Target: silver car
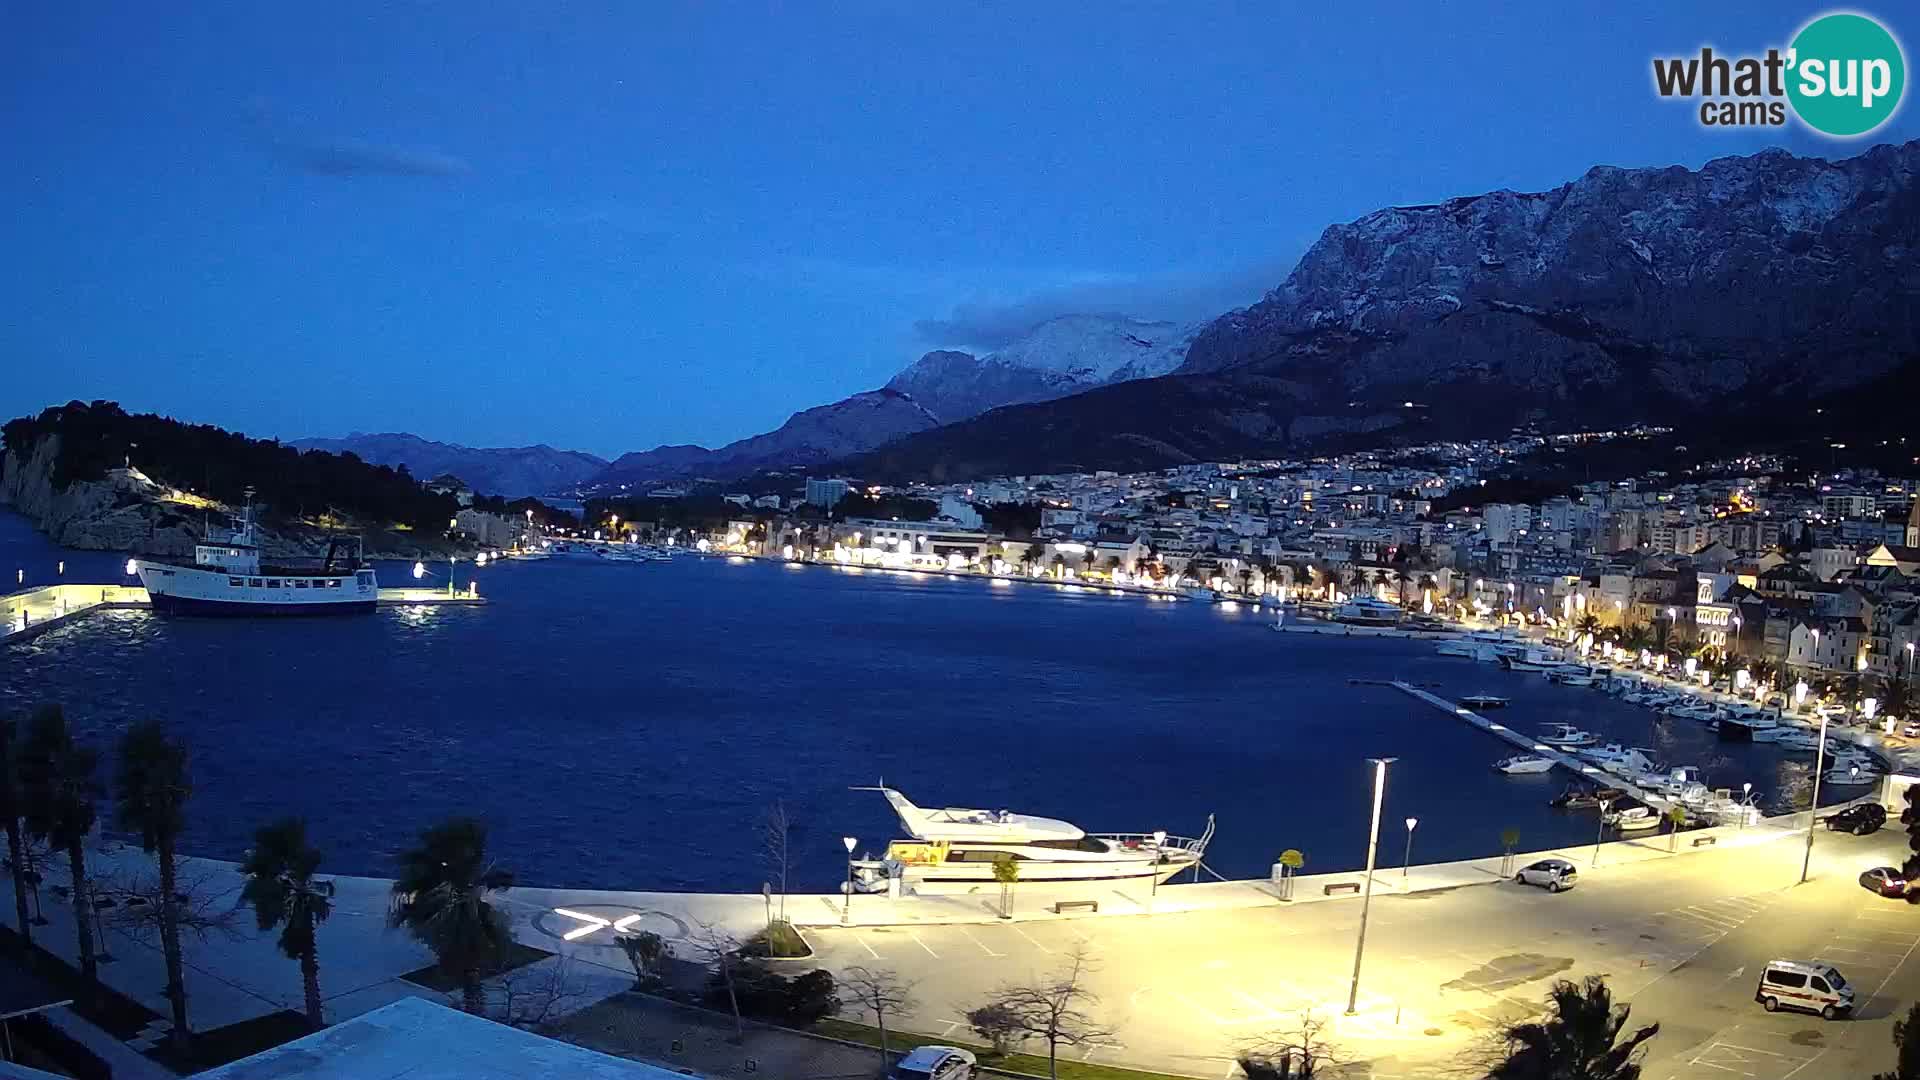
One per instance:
[(1553, 875), (935, 1063)]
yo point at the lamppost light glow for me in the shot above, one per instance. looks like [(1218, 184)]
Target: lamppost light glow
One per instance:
[(849, 842)]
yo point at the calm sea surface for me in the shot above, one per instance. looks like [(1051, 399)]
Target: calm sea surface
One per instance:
[(626, 726)]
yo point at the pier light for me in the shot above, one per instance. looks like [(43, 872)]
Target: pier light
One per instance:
[(1407, 862), (131, 568), (419, 571)]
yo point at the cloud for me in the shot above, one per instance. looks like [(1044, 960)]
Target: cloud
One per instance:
[(1178, 296), (343, 155), (355, 157)]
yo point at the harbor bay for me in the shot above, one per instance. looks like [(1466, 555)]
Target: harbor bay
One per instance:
[(628, 726)]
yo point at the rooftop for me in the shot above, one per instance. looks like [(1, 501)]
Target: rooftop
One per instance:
[(420, 1040)]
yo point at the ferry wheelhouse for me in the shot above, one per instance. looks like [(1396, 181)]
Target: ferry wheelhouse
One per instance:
[(227, 577)]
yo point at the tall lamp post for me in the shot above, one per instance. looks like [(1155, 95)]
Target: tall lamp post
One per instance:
[(1159, 844), (1366, 902), (1407, 861), (1813, 812), (1746, 802), (846, 909), (1601, 833)]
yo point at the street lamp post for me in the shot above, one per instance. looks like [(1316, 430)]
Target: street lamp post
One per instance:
[(1407, 861), (1746, 797), (846, 909), (1366, 902), (1601, 833), (1813, 812), (1159, 843)]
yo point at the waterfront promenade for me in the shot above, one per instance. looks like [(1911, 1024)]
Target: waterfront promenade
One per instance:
[(1186, 973)]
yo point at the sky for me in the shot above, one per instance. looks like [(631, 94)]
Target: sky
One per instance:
[(607, 227)]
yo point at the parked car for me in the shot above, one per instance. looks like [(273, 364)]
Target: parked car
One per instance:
[(1553, 875), (1859, 820), (1911, 729), (934, 1063), (1885, 880), (1807, 985)]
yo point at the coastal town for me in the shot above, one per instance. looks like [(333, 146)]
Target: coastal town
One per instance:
[(1791, 574)]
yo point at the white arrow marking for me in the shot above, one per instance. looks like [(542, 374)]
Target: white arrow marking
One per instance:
[(1737, 972), (594, 922)]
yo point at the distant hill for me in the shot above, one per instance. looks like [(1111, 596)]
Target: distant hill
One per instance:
[(1061, 356), (1734, 296), (512, 471)]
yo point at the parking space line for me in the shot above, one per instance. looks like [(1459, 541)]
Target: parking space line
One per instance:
[(922, 944), (864, 945), (1199, 1008), (1032, 942), (1713, 917), (977, 941), (1804, 1064)]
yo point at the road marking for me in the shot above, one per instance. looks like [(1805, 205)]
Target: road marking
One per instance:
[(1270, 1011), (977, 941), (1032, 942), (1804, 1064), (1714, 918), (864, 945), (1199, 1008), (922, 944)]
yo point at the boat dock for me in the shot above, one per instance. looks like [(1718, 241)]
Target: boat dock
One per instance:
[(31, 612), (1525, 742)]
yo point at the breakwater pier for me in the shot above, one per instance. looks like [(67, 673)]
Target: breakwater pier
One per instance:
[(29, 612)]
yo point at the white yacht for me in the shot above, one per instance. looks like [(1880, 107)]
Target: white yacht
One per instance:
[(1523, 764), (1531, 659), (958, 846), (1366, 611), (227, 577)]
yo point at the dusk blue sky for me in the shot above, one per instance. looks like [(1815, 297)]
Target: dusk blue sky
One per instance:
[(607, 228)]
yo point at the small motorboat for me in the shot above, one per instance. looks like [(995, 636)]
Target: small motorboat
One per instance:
[(1579, 798), (1485, 701), (1523, 764), (1566, 736)]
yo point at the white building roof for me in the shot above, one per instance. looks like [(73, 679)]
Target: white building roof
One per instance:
[(420, 1040)]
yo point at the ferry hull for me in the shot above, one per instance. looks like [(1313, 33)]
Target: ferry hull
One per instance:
[(168, 604)]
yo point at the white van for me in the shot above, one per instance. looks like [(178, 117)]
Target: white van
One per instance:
[(1808, 985)]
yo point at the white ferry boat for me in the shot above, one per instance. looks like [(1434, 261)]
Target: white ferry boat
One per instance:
[(227, 577), (957, 846)]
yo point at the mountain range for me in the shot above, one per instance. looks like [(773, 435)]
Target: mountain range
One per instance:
[(510, 471), (1736, 294)]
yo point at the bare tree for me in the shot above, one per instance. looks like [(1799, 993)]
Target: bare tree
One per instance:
[(1300, 1052), (645, 951), (531, 997), (1055, 1009), (879, 992), (777, 841), (720, 950), (204, 905)]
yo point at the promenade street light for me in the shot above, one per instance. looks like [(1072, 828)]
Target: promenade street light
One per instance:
[(1407, 862), (1746, 802), (1601, 833), (1813, 812), (1366, 902), (1159, 843), (846, 909)]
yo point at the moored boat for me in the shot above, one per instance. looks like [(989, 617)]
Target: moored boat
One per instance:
[(1523, 764), (227, 577)]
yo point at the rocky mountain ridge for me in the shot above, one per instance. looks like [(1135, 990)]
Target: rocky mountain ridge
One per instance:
[(512, 471), (1735, 293)]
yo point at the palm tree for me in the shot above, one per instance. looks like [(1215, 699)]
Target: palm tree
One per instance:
[(1637, 637), (10, 803), (58, 785), (152, 798), (282, 892), (441, 896), (1579, 1040), (1588, 623)]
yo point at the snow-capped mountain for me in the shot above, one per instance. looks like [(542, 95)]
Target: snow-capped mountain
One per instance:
[(1733, 295), (1061, 356)]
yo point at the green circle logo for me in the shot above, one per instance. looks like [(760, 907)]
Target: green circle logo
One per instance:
[(1847, 74)]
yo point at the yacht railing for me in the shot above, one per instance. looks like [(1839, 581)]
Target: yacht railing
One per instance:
[(1196, 845)]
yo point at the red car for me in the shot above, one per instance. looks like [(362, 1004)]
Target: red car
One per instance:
[(1884, 880)]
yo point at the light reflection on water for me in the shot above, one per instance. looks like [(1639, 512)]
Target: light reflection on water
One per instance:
[(626, 726)]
